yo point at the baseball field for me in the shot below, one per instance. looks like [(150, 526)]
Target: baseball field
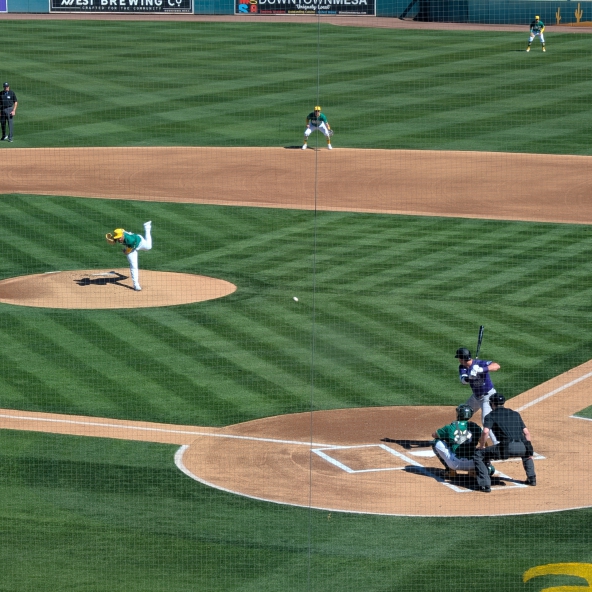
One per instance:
[(223, 429)]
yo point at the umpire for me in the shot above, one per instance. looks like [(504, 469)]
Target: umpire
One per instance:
[(9, 105), (514, 442)]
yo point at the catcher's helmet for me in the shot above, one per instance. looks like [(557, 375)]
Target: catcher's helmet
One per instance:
[(464, 412), (118, 233), (317, 108), (462, 353), (497, 399)]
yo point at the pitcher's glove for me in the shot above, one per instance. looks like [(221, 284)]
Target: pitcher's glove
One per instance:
[(110, 238), (330, 132)]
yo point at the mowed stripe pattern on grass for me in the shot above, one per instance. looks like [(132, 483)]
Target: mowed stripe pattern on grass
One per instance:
[(84, 83), (383, 303)]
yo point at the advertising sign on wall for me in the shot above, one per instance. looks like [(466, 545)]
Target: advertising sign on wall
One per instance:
[(127, 6), (364, 7), (3, 6)]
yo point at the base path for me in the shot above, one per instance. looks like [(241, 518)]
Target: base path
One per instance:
[(336, 460), (423, 182)]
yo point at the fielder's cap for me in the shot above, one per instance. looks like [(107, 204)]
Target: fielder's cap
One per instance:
[(5, 84), (317, 108), (118, 233), (462, 353), (537, 17)]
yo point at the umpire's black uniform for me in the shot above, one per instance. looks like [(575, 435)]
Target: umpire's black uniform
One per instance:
[(510, 431), (8, 101)]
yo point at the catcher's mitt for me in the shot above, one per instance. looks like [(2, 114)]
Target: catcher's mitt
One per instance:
[(110, 238), (330, 132)]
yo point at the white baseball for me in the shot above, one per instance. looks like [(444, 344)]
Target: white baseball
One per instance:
[(295, 298)]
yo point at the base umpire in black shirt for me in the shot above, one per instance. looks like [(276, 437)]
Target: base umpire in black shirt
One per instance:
[(514, 442), (9, 105)]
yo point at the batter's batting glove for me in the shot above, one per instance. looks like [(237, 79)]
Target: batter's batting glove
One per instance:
[(475, 370)]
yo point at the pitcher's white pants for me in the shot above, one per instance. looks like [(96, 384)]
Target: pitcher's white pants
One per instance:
[(145, 245)]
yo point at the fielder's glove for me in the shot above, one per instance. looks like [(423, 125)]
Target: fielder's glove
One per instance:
[(110, 238), (330, 132), (475, 371)]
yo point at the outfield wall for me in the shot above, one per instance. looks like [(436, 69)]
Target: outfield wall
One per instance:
[(459, 11)]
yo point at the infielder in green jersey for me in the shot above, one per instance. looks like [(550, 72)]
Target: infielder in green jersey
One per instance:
[(455, 443), (132, 243), (317, 121), (536, 28)]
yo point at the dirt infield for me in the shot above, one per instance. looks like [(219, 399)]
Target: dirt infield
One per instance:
[(333, 460), (431, 183)]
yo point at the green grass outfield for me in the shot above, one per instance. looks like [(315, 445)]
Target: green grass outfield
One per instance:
[(385, 300), (392, 302), (228, 84)]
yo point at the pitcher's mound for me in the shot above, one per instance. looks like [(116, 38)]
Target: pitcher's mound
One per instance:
[(110, 288)]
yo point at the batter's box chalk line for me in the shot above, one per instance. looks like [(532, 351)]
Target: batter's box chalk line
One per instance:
[(510, 483), (322, 452)]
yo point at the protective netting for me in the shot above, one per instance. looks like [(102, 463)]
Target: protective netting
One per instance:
[(228, 363)]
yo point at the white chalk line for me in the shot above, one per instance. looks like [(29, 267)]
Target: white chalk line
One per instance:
[(555, 391), (163, 430)]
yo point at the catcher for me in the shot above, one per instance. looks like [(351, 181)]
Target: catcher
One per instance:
[(132, 244), (317, 121), (455, 443)]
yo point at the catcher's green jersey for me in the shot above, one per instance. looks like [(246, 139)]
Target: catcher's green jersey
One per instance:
[(316, 121), (461, 436)]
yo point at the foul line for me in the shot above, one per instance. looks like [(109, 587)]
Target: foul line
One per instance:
[(554, 392), (163, 430)]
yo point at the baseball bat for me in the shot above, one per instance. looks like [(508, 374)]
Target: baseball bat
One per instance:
[(479, 340)]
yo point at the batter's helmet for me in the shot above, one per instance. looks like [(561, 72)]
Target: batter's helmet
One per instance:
[(462, 353), (497, 399), (464, 412), (118, 233), (317, 108)]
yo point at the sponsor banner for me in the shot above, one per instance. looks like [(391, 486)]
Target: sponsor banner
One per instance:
[(145, 6), (350, 7), (3, 7)]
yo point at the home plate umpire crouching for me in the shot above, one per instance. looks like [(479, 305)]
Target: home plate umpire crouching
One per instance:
[(514, 442)]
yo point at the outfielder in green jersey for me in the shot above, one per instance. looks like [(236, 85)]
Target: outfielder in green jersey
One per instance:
[(536, 28)]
